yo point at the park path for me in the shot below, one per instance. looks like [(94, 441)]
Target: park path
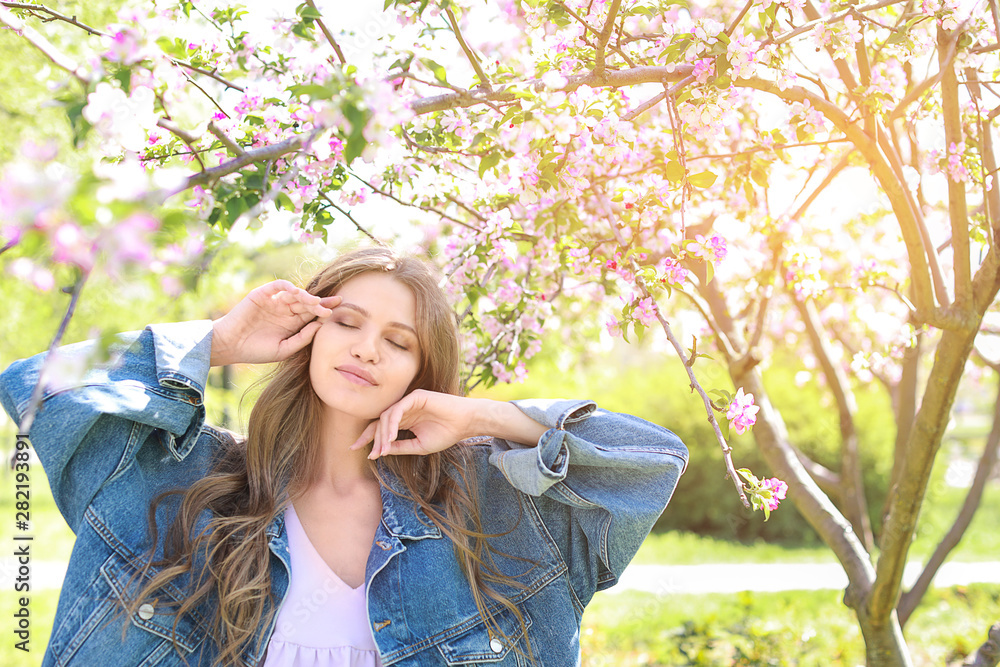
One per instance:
[(769, 577), (668, 579)]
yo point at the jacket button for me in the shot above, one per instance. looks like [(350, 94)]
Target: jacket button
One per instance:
[(146, 611), (496, 645)]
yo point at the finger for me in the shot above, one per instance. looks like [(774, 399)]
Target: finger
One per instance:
[(407, 447), (365, 437), (275, 287), (293, 344), (376, 441), (384, 430)]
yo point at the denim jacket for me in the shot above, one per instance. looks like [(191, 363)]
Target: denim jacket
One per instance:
[(569, 512)]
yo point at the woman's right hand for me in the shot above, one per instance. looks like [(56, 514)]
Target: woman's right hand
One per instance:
[(271, 323)]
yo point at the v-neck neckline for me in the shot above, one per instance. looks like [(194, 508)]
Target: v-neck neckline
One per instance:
[(292, 522)]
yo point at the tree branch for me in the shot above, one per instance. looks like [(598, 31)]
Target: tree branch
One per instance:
[(28, 416), (233, 147), (604, 36), (894, 189), (957, 204), (469, 54), (350, 217), (611, 79), (39, 42), (208, 73), (328, 34), (262, 154), (833, 18), (54, 14), (839, 385), (911, 598)]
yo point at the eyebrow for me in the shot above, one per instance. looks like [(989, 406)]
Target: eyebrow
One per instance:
[(363, 311)]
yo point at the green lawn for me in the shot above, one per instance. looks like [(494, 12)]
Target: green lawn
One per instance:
[(804, 629)]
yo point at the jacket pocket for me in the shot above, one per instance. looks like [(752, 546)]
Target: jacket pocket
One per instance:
[(479, 644), (93, 629), (158, 614)]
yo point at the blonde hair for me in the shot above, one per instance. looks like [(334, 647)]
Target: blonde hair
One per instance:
[(249, 484)]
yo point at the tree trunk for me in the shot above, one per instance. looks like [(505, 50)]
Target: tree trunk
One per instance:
[(884, 644), (910, 599)]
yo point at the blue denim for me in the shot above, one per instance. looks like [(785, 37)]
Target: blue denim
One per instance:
[(569, 513)]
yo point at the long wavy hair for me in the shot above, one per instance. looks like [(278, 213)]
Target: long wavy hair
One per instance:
[(226, 558)]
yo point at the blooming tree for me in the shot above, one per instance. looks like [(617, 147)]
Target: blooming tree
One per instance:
[(804, 175)]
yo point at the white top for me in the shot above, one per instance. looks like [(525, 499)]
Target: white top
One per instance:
[(323, 622)]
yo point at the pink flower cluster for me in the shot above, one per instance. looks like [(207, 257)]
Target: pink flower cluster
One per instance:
[(742, 413), (778, 490), (956, 170), (712, 249)]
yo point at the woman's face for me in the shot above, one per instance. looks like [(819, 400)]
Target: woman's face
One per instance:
[(366, 354)]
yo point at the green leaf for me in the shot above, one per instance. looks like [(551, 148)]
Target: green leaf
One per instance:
[(702, 179), (709, 272), (436, 69), (674, 172), (489, 161), (307, 12), (759, 176)]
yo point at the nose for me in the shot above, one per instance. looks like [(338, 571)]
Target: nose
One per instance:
[(365, 348)]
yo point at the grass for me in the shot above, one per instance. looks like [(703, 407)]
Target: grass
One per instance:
[(802, 629), (42, 607)]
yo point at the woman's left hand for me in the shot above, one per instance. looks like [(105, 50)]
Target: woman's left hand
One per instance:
[(436, 420)]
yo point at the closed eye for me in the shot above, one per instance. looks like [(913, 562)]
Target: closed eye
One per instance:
[(346, 325), (397, 345)]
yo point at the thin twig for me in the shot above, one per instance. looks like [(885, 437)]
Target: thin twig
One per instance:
[(357, 224), (758, 149), (43, 45), (688, 366), (328, 34), (833, 18), (739, 18), (234, 147), (208, 73), (54, 14), (189, 139), (614, 47), (473, 60), (28, 417), (650, 103)]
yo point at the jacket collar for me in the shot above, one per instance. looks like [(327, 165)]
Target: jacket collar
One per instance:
[(401, 515)]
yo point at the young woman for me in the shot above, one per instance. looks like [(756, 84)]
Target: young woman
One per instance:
[(371, 515)]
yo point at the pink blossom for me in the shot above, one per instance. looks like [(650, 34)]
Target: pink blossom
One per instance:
[(956, 169), (71, 246), (742, 412), (645, 312), (673, 272), (614, 327), (712, 249), (124, 46), (26, 270), (703, 69), (778, 490)]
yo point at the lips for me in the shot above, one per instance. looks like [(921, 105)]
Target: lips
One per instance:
[(357, 375)]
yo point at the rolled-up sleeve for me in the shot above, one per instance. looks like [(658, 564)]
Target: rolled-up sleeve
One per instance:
[(601, 479), (88, 427)]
